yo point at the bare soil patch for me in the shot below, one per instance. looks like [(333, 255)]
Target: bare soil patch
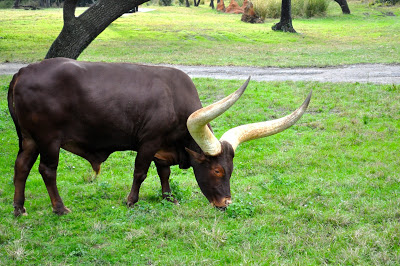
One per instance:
[(363, 73)]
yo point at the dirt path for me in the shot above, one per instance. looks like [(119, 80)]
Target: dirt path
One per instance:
[(363, 73)]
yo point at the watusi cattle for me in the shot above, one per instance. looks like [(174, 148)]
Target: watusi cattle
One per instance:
[(94, 109)]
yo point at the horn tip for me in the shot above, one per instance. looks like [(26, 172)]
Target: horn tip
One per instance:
[(307, 101), (248, 80), (244, 86)]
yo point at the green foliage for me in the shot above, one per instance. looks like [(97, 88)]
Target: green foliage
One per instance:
[(267, 9), (240, 210), (41, 3), (300, 8), (6, 3), (389, 2), (327, 190), (165, 2), (181, 192), (310, 8)]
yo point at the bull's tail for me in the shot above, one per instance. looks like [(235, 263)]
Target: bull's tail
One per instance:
[(11, 108)]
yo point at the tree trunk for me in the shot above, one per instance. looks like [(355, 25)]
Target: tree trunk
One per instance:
[(187, 3), (286, 18), (344, 6), (16, 3), (212, 4), (79, 32)]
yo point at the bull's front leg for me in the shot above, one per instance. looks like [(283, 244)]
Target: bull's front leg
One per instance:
[(143, 160), (164, 172)]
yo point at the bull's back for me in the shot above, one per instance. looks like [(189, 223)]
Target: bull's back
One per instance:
[(102, 103)]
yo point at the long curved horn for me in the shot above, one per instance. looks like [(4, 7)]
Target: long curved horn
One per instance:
[(198, 120), (243, 133)]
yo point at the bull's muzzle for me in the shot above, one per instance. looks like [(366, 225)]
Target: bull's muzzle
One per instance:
[(221, 204)]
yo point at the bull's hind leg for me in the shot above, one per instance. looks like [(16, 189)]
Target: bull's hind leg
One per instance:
[(27, 156), (49, 155)]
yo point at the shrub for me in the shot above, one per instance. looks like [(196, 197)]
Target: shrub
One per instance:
[(267, 8), (310, 8), (300, 8), (387, 2), (6, 3), (165, 2)]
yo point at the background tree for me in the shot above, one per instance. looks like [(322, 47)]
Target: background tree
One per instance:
[(344, 6), (285, 24), (195, 3), (78, 32), (212, 4), (16, 3)]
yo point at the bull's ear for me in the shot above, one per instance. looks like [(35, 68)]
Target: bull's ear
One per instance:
[(199, 157)]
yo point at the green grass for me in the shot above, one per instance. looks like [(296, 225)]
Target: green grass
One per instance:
[(201, 36), (324, 191)]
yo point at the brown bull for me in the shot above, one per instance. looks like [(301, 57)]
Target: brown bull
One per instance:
[(95, 109)]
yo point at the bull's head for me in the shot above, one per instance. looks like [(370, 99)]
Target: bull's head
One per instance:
[(214, 165)]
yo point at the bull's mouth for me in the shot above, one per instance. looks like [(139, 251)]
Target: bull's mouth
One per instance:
[(221, 204)]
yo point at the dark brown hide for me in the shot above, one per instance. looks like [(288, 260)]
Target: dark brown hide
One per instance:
[(94, 109)]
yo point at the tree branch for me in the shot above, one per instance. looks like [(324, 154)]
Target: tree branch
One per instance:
[(69, 10), (79, 32)]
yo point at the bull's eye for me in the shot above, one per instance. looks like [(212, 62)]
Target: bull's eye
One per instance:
[(219, 171)]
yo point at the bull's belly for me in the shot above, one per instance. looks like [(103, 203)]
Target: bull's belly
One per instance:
[(93, 153)]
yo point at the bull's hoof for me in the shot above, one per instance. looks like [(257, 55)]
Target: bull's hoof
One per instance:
[(170, 198), (61, 211), (130, 204), (18, 211)]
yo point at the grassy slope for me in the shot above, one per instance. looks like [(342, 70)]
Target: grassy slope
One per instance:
[(193, 36), (324, 191)]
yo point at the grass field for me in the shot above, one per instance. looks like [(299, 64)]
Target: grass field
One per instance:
[(325, 191), (201, 36)]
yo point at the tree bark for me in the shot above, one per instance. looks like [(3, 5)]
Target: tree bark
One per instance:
[(78, 32), (285, 24), (343, 4)]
